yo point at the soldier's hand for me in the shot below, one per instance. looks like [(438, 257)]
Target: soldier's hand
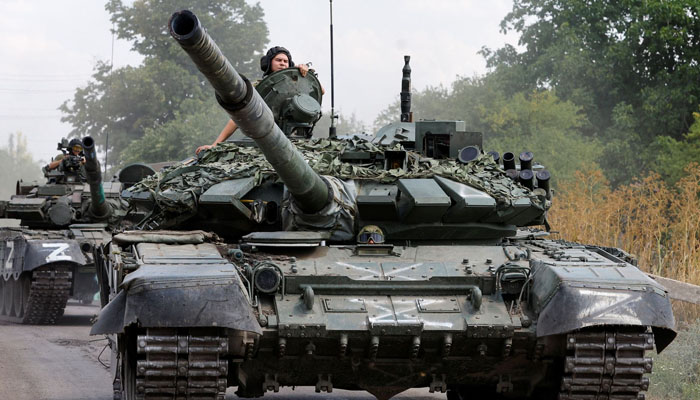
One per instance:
[(200, 148), (303, 69)]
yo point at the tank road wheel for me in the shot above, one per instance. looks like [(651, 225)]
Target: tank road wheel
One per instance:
[(18, 300), (25, 287), (8, 294), (128, 372), (2, 296)]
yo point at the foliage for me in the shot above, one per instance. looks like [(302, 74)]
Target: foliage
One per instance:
[(433, 102), (677, 370), (674, 154), (176, 139), (16, 163), (657, 223), (541, 123), (536, 121), (237, 28), (635, 58), (166, 90)]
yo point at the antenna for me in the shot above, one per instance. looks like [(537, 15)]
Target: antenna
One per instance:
[(331, 129), (111, 77)]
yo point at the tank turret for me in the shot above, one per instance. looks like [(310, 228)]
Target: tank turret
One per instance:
[(245, 106), (49, 259)]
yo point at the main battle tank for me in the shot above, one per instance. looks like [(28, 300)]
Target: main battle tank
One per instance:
[(49, 259), (364, 266)]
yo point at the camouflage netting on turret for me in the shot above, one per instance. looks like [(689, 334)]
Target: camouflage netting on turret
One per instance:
[(177, 188)]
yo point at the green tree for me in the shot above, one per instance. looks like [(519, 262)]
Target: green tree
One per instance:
[(542, 123), (16, 163), (536, 121), (131, 103), (199, 122), (432, 102), (674, 155), (620, 61)]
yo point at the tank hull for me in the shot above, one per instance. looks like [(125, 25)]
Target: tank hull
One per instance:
[(425, 318)]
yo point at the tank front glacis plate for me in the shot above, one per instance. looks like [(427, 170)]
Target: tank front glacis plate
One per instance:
[(405, 294), (393, 315)]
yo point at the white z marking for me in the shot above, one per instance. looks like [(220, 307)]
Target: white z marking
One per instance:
[(58, 253), (11, 249)]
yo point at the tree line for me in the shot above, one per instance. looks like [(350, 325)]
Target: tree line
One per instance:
[(610, 84)]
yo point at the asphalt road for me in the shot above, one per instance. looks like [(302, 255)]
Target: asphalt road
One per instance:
[(62, 362), (54, 362)]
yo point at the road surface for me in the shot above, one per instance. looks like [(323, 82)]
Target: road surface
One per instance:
[(62, 362)]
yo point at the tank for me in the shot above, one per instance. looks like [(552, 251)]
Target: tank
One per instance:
[(362, 265), (48, 260)]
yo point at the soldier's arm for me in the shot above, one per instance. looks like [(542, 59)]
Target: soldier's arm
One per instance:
[(225, 134), (53, 165)]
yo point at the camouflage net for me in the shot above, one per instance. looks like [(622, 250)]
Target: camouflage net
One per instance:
[(177, 188)]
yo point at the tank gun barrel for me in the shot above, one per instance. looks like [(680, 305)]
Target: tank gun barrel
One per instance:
[(237, 96), (98, 206)]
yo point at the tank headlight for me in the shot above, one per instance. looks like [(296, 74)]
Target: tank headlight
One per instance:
[(267, 279)]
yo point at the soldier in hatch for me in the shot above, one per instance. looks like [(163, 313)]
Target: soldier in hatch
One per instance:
[(370, 234), (75, 147), (276, 59)]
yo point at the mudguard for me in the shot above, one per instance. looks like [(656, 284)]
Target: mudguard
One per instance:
[(568, 297), (202, 295), (22, 255)]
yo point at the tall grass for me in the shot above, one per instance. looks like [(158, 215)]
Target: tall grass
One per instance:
[(657, 223), (661, 226)]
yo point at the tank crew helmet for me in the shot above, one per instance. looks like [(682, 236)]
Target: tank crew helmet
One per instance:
[(75, 145), (370, 234), (266, 60)]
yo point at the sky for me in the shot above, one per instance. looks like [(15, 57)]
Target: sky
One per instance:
[(49, 48)]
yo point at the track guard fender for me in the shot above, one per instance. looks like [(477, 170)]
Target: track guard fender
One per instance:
[(162, 296), (21, 255), (567, 304), (42, 252), (111, 317)]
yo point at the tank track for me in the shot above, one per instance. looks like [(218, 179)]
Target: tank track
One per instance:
[(48, 295), (181, 366), (607, 365)]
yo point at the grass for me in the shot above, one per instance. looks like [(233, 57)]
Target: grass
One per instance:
[(676, 373), (658, 224), (661, 226)]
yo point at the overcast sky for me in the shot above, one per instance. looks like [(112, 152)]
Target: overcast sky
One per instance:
[(50, 47)]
